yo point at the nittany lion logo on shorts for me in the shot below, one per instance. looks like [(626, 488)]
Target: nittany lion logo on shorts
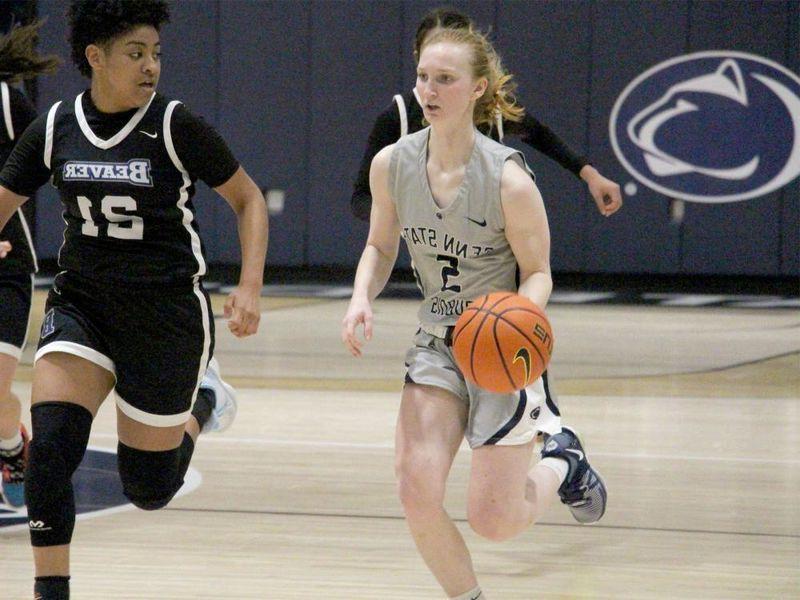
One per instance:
[(98, 491), (710, 127)]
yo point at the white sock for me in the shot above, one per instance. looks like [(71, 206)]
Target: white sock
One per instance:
[(558, 465), (14, 443), (473, 594)]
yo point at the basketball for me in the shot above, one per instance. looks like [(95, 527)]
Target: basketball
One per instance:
[(502, 342)]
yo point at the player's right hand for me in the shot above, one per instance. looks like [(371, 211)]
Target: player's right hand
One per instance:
[(5, 248), (359, 312)]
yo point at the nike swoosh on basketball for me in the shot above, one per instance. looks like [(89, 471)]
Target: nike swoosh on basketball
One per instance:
[(150, 135), (478, 223)]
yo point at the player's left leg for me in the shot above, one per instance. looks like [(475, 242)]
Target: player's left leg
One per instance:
[(168, 390), (505, 495), (153, 460)]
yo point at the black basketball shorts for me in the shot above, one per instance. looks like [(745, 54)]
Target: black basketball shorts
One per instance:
[(155, 341), (16, 292)]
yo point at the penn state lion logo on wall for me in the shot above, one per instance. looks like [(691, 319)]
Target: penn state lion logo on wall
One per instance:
[(710, 127)]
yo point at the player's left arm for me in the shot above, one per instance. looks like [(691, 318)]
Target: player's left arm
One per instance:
[(243, 306), (527, 232), (206, 156)]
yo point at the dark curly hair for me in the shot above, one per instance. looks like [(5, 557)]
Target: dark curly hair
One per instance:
[(439, 18), (100, 21)]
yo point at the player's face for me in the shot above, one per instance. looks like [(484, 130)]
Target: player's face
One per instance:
[(130, 67), (445, 83)]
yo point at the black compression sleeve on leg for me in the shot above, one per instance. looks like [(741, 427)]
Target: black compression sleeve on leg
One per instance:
[(60, 436), (150, 479)]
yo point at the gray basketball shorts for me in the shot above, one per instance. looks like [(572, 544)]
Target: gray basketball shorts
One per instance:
[(493, 419)]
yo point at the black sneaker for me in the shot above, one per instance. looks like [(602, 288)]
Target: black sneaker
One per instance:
[(583, 490)]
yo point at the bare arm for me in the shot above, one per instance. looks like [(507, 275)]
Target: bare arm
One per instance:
[(527, 232), (9, 203), (378, 258), (243, 307)]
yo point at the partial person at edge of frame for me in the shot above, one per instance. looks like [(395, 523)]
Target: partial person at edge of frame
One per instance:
[(19, 61), (405, 115)]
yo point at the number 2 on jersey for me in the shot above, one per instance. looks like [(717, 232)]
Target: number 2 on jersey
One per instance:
[(121, 225), (450, 271)]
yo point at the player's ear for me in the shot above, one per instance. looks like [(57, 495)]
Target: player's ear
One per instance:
[(94, 55), (480, 88)]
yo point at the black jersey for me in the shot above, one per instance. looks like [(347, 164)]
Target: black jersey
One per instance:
[(404, 116), (127, 196), (16, 113)]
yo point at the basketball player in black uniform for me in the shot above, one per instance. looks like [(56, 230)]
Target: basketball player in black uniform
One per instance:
[(127, 312), (404, 116), (18, 61)]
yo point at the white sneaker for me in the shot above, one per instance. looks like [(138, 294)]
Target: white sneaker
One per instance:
[(224, 411)]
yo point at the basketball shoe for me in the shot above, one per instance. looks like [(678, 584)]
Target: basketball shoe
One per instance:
[(224, 411), (13, 468), (583, 490)]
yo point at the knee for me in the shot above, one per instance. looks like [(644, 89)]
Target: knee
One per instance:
[(421, 490), (490, 520), (149, 479), (60, 436)]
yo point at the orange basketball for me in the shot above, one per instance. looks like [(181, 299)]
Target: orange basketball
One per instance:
[(502, 342)]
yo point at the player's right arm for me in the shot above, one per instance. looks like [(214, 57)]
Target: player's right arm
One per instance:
[(24, 171), (385, 131), (378, 257), (23, 114)]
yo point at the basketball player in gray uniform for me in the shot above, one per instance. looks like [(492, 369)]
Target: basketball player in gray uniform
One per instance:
[(474, 222)]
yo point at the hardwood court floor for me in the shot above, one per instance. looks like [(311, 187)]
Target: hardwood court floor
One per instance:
[(692, 415)]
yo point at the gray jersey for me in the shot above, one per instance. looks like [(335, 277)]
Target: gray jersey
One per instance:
[(461, 251)]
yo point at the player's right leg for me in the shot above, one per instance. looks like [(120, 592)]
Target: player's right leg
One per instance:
[(67, 391), (73, 374), (430, 428)]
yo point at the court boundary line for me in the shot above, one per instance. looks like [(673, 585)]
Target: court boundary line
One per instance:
[(281, 513)]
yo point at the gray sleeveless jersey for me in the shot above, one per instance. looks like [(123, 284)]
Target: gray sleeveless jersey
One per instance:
[(461, 251)]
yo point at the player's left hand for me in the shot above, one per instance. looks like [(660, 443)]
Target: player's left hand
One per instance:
[(606, 193), (5, 248), (243, 310)]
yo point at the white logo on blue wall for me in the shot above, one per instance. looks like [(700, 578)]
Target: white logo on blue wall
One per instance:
[(98, 492), (710, 127)]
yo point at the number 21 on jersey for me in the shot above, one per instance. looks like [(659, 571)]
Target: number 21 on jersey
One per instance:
[(118, 212)]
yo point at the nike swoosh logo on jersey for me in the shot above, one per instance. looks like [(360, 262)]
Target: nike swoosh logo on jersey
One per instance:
[(150, 135), (478, 223)]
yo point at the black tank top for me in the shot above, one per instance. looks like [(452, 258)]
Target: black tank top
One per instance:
[(22, 258), (127, 199)]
